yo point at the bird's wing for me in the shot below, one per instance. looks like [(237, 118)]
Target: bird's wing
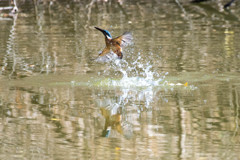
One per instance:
[(105, 51), (124, 39)]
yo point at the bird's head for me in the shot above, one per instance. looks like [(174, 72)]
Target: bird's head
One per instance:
[(105, 33)]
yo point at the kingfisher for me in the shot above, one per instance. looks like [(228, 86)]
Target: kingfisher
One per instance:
[(115, 44)]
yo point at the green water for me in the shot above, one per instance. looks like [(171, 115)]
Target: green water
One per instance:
[(57, 102)]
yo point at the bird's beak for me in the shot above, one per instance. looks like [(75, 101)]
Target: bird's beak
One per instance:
[(100, 29), (104, 33)]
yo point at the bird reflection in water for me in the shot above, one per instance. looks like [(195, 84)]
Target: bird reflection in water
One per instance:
[(114, 125)]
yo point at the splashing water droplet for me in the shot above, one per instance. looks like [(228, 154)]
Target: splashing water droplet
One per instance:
[(136, 74)]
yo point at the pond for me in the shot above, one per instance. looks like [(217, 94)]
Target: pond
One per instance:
[(174, 95)]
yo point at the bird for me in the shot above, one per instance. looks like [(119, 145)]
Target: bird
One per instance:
[(115, 44)]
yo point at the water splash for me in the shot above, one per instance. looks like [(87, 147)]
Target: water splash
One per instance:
[(138, 88), (135, 74)]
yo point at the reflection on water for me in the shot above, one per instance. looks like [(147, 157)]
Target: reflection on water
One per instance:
[(175, 94)]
